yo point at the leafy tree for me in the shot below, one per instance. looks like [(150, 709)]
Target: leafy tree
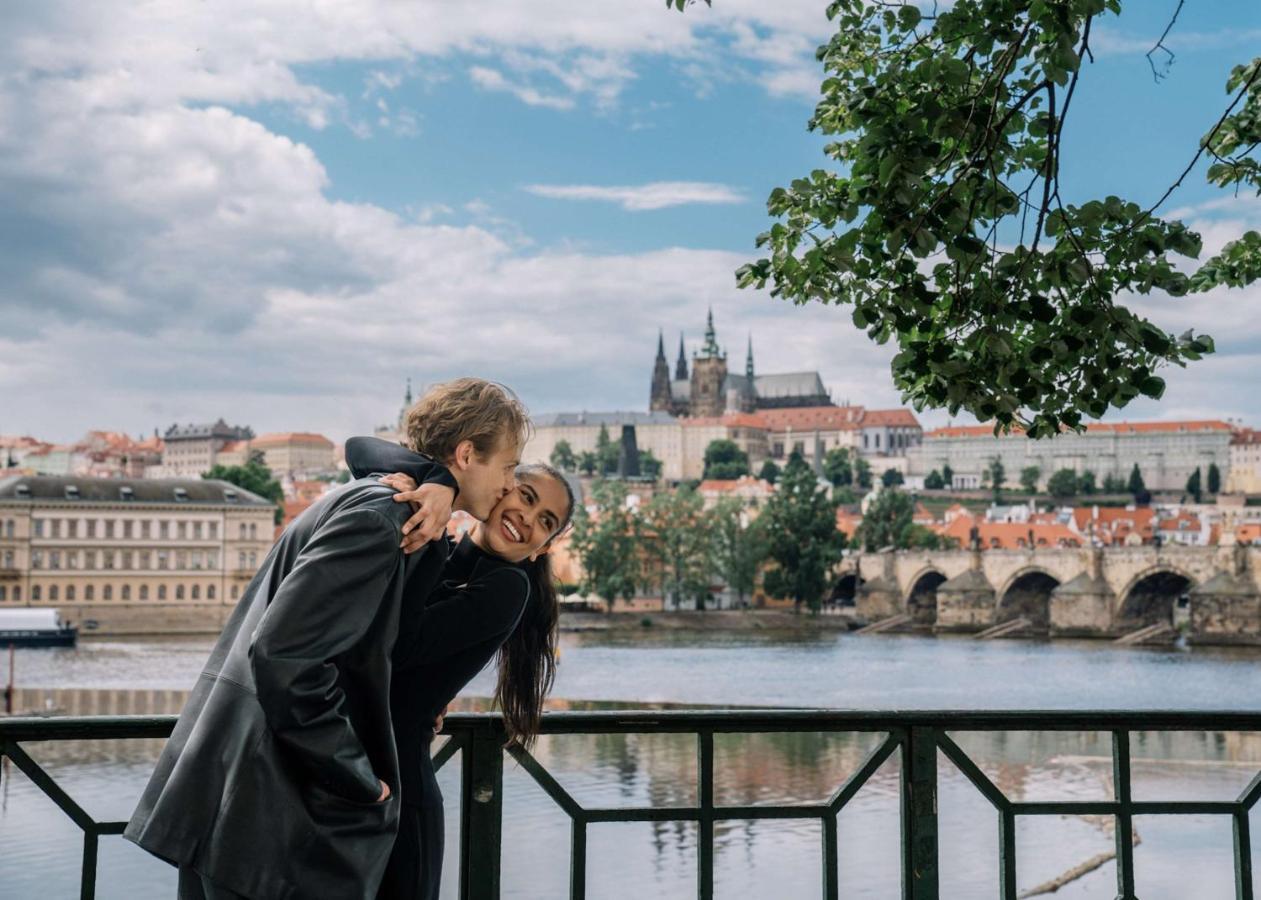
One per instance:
[(948, 476), (1136, 485), (1062, 484), (997, 477), (255, 478), (837, 467), (769, 472), (1194, 487), (886, 518), (1029, 476), (724, 460), (606, 452), (1214, 479), (563, 457), (588, 462), (933, 481), (943, 225), (606, 544), (1113, 484), (801, 537), (918, 537), (862, 473), (649, 465), (891, 478), (739, 545), (1086, 483), (676, 543)]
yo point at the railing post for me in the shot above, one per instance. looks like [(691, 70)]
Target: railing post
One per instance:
[(481, 814), (919, 815), (705, 825), (1125, 815)]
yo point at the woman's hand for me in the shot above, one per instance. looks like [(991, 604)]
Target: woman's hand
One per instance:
[(385, 791), (431, 509), (437, 723)]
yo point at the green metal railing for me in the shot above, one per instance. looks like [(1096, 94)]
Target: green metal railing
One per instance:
[(918, 736)]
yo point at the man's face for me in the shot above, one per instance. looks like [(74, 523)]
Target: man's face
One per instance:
[(485, 480)]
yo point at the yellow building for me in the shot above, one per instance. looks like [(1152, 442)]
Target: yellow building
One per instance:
[(294, 452), (86, 545), (1244, 476)]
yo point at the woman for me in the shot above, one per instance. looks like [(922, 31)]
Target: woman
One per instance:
[(497, 596)]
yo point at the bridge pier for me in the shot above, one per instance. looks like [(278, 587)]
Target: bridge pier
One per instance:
[(965, 603)]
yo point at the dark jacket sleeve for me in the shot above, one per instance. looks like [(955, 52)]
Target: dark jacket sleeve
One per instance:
[(488, 608), (320, 610), (368, 455)]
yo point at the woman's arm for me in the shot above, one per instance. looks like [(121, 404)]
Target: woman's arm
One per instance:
[(368, 455)]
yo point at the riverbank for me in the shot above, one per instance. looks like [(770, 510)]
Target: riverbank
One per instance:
[(708, 620)]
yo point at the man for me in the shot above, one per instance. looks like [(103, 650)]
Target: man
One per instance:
[(280, 778)]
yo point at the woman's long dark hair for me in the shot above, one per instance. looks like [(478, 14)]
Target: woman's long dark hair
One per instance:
[(527, 660)]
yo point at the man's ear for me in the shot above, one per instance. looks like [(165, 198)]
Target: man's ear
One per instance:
[(462, 458)]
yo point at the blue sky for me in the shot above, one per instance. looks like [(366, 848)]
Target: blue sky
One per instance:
[(276, 212)]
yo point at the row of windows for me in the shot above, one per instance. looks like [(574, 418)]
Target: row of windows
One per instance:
[(132, 528), (126, 559), (58, 593)]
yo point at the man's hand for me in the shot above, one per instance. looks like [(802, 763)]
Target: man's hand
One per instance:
[(431, 510), (385, 791), (437, 723)]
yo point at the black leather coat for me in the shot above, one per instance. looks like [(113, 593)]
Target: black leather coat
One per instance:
[(268, 784)]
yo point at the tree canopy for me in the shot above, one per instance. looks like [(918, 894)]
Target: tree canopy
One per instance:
[(944, 226), (724, 460), (802, 537), (255, 478)]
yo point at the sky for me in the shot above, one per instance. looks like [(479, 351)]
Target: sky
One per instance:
[(278, 212)]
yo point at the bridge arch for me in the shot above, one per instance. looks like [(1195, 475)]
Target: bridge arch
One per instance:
[(845, 589), (1150, 596), (1027, 594), (921, 597)]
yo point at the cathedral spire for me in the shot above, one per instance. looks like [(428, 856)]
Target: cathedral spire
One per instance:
[(407, 397), (661, 344), (711, 348), (748, 361), (680, 368)]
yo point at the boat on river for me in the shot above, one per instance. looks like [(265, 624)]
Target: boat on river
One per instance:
[(35, 628)]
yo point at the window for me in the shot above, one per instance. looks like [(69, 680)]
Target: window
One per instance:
[(162, 559), (145, 529), (181, 530), (196, 594), (161, 591), (17, 593), (212, 560), (253, 531), (128, 526), (35, 594), (144, 592), (90, 528), (126, 592), (107, 592), (69, 592), (4, 593), (210, 592), (195, 557), (8, 528), (253, 560), (128, 559), (108, 558), (39, 528), (164, 530), (109, 528), (241, 531), (72, 559), (8, 559), (89, 559), (54, 559), (236, 592), (181, 560), (214, 531), (52, 593), (72, 528), (179, 592), (240, 560), (54, 528), (145, 559), (197, 527), (89, 592)]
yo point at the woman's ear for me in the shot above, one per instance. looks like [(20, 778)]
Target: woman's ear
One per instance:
[(542, 551)]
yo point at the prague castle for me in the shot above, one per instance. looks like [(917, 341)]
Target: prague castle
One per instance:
[(710, 390)]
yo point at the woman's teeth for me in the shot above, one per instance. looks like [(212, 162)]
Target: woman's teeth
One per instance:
[(512, 532)]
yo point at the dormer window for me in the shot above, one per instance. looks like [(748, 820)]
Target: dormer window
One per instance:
[(229, 496), (23, 491), (181, 495), (126, 493), (72, 492)]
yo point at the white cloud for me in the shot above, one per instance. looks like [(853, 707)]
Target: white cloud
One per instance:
[(494, 80), (635, 198)]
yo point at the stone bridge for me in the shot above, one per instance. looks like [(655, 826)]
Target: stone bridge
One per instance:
[(1093, 592)]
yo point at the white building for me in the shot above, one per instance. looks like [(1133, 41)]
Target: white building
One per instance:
[(1166, 452), (1244, 476)]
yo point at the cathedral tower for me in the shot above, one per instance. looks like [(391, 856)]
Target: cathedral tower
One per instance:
[(660, 399), (709, 376)]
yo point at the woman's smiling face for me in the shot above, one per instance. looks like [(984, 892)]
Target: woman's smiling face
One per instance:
[(522, 523)]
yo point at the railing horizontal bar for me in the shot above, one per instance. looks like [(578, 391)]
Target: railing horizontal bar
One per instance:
[(109, 827), (33, 728), (1136, 808), (1184, 807), (642, 814)]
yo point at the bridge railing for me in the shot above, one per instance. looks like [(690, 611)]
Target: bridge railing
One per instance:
[(917, 737)]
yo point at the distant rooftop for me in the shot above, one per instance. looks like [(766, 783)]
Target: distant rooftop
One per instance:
[(73, 489), (609, 419)]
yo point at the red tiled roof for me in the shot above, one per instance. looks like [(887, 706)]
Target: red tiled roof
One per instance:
[(813, 418), (291, 437), (1248, 534), (1246, 436), (1093, 427), (1009, 535), (731, 420), (894, 418)]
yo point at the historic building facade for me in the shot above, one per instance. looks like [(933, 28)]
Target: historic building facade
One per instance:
[(1244, 476), (1166, 453), (710, 390), (81, 543), (190, 450)]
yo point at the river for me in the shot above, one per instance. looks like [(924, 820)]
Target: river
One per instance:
[(1176, 858)]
